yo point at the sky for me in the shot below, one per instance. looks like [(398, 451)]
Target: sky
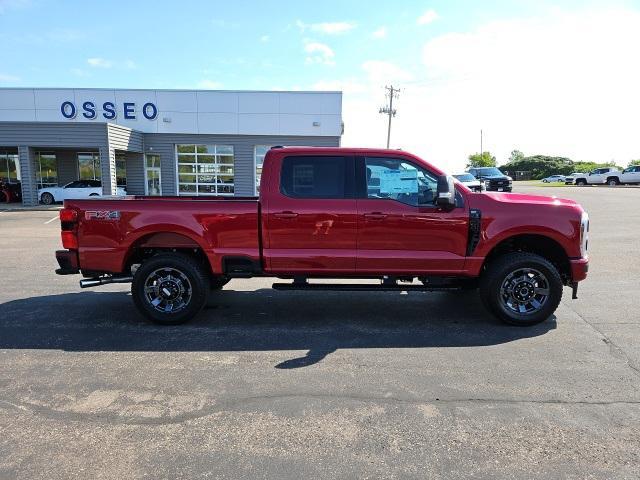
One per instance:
[(551, 78)]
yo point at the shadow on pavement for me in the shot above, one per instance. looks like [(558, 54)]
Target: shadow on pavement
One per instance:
[(260, 320)]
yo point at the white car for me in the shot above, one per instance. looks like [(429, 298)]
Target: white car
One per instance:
[(469, 181), (600, 176), (568, 180), (76, 190), (631, 174), (554, 178)]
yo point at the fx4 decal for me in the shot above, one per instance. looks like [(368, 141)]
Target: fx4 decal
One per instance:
[(102, 215)]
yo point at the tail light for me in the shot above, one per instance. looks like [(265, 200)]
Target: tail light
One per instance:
[(584, 234), (68, 215), (69, 225)]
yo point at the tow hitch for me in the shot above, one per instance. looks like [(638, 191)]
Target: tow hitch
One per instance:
[(574, 288)]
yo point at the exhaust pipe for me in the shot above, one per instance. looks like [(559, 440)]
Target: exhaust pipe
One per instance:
[(95, 282)]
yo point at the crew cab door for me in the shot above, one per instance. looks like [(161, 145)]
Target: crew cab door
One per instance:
[(74, 190), (309, 215), (631, 175), (400, 229)]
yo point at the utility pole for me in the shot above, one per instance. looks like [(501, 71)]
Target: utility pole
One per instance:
[(481, 151), (388, 109)]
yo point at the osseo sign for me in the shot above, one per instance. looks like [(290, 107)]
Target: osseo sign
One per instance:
[(109, 110)]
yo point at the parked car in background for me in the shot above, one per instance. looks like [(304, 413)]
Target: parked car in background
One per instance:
[(554, 178), (600, 176), (10, 192), (631, 174), (570, 179), (492, 179), (468, 180), (74, 190)]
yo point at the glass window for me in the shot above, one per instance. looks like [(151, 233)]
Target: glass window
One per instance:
[(259, 153), (152, 175), (9, 170), (47, 170), (89, 166), (121, 170), (400, 180), (205, 169), (313, 177)]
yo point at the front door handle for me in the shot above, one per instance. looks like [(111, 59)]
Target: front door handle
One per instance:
[(285, 215), (375, 216)]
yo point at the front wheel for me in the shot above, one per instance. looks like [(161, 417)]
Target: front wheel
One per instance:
[(170, 288), (612, 182), (521, 288)]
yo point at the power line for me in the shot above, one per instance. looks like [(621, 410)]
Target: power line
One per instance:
[(388, 109)]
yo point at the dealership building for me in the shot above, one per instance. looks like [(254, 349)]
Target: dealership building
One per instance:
[(156, 142)]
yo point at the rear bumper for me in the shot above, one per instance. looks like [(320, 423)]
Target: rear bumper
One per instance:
[(579, 269), (68, 261)]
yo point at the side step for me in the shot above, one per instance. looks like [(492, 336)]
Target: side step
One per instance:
[(361, 287)]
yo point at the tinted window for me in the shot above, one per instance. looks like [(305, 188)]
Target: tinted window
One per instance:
[(93, 183), (313, 177), (465, 177), (76, 184), (400, 180)]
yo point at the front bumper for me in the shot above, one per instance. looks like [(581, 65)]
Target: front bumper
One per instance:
[(579, 269), (68, 261)]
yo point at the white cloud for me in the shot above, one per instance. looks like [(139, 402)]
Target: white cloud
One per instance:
[(564, 83), (209, 84), (265, 38), (98, 62), (380, 32), (78, 72), (130, 64), (8, 78), (427, 17), (319, 53), (327, 28)]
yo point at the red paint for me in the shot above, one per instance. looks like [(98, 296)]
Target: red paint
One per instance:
[(323, 237)]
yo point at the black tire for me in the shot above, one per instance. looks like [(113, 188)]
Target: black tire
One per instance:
[(94, 194), (47, 198), (186, 286), (216, 283), (581, 182), (613, 181), (542, 276)]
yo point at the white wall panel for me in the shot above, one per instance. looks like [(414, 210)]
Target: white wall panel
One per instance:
[(259, 102), (259, 124), (16, 99), (211, 101), (177, 101), (220, 123), (7, 115), (180, 122)]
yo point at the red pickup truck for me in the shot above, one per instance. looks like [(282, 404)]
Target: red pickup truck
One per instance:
[(343, 213)]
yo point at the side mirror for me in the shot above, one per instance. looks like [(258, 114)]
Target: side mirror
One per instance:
[(446, 194)]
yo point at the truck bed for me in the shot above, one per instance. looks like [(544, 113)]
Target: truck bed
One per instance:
[(110, 228)]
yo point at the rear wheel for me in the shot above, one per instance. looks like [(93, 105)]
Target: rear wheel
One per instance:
[(581, 181), (47, 198), (612, 182), (521, 288), (170, 288)]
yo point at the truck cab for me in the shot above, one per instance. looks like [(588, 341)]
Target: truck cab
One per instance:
[(600, 176)]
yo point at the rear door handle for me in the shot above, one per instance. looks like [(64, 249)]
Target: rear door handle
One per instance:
[(375, 216), (285, 215)]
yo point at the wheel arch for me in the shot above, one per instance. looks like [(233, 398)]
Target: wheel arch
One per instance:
[(538, 244)]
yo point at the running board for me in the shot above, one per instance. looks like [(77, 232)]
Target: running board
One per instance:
[(360, 287)]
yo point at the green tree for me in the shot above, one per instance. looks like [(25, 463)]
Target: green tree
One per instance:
[(633, 163), (485, 160), (516, 156), (540, 166)]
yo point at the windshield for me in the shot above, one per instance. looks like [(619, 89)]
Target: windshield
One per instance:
[(465, 177), (488, 171)]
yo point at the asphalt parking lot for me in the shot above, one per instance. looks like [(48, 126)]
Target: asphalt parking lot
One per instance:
[(271, 384)]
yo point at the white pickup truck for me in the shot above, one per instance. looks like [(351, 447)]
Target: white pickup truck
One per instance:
[(600, 176), (631, 174)]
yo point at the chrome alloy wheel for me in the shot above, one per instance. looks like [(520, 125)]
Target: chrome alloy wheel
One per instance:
[(524, 291), (168, 290)]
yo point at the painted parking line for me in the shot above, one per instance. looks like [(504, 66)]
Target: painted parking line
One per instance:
[(49, 221)]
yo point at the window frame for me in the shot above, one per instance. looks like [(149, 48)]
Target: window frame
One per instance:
[(95, 158), (349, 177), (38, 157), (216, 174), (256, 190), (158, 169), (362, 187)]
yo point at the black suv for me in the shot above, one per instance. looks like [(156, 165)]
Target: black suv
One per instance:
[(492, 179)]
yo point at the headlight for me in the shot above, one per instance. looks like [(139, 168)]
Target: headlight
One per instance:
[(584, 234)]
